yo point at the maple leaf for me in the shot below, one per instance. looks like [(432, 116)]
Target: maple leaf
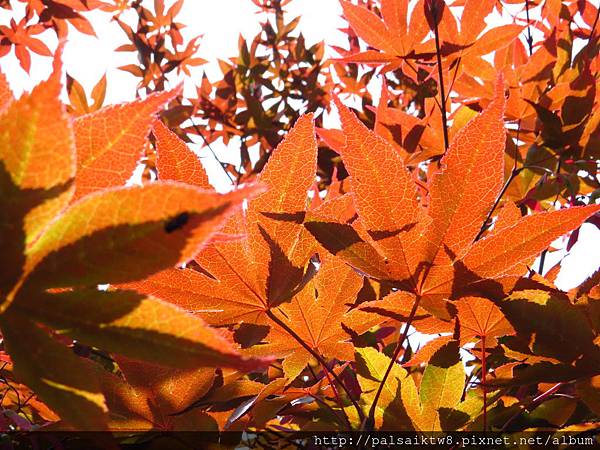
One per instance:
[(363, 155), (431, 252), (153, 397), (319, 315), (164, 223), (35, 175), (114, 235), (54, 373), (479, 317), (243, 279), (563, 332), (399, 407), (21, 35), (126, 323), (392, 35), (6, 96), (175, 160), (396, 40), (403, 407), (110, 141), (240, 281), (78, 98)]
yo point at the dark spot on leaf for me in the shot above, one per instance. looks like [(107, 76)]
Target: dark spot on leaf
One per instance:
[(177, 222)]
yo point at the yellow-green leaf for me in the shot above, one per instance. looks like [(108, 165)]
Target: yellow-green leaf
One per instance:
[(442, 385), (398, 407)]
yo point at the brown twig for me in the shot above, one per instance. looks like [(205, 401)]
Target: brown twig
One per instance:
[(337, 398), (483, 381), (529, 37), (438, 54)]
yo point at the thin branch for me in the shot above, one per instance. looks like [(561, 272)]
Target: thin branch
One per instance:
[(369, 423), (458, 61), (529, 37), (539, 399), (545, 252), (438, 54), (214, 155), (197, 129), (318, 357), (337, 398), (593, 30), (483, 382), (484, 227), (341, 418)]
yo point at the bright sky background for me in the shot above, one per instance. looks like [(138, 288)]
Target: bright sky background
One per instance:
[(87, 58)]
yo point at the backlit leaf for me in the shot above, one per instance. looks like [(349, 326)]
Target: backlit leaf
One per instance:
[(507, 251), (161, 224), (369, 27), (375, 166), (318, 315), (560, 330), (138, 327), (277, 240), (6, 95), (398, 408), (479, 317), (462, 193), (442, 385), (175, 160), (110, 142), (37, 165)]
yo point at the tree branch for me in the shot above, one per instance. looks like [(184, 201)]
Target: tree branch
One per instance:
[(438, 54), (529, 37)]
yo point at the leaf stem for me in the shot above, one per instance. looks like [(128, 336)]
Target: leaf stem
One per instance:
[(369, 423), (438, 54), (529, 37), (483, 381), (343, 419), (337, 397), (484, 227), (319, 358)]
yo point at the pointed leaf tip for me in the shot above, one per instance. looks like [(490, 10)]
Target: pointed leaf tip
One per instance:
[(464, 190), (383, 190), (175, 161), (110, 141)]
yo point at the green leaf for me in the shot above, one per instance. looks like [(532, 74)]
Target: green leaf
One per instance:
[(398, 407), (442, 384), (554, 411)]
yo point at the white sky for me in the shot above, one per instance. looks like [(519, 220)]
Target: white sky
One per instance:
[(87, 58)]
